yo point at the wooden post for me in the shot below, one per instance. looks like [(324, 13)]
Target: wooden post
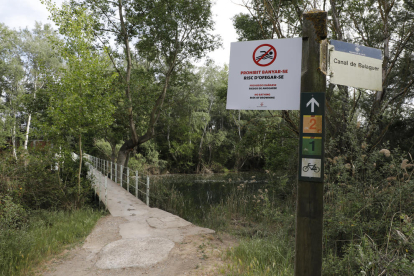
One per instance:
[(309, 206)]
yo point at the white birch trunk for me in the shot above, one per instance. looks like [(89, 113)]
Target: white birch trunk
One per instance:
[(14, 138), (26, 140)]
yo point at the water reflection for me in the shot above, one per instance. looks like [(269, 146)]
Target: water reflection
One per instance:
[(200, 192)]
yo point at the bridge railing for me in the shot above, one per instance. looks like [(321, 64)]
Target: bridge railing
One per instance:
[(134, 182)]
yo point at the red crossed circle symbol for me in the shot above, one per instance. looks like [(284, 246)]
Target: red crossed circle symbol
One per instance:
[(268, 52)]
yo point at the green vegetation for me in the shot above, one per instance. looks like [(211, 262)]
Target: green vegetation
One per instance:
[(41, 209), (251, 206), (41, 235), (262, 256), (141, 102), (368, 217), (368, 211)]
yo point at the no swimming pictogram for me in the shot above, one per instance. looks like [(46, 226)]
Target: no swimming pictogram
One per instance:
[(264, 55)]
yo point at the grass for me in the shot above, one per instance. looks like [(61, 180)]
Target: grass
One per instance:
[(263, 223), (266, 243), (368, 220), (45, 234), (262, 256)]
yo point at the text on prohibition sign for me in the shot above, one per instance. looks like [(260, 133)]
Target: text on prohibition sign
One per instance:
[(265, 54)]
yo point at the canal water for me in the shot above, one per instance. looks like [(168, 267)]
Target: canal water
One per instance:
[(197, 193)]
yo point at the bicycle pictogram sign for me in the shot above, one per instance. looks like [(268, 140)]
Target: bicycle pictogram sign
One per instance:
[(264, 55), (311, 167)]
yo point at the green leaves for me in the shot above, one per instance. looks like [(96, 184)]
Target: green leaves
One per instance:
[(167, 28), (80, 99)]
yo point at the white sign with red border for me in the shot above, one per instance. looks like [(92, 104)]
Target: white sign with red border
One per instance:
[(265, 74)]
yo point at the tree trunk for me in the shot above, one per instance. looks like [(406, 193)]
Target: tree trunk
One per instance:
[(14, 137), (26, 140), (14, 142), (200, 150), (113, 152), (127, 158), (380, 94), (237, 150), (156, 110), (123, 154)]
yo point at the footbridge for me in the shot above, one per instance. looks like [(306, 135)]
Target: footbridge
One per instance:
[(145, 235)]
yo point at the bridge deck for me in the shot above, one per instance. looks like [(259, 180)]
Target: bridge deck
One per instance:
[(147, 235)]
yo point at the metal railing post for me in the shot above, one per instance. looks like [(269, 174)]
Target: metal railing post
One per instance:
[(106, 168), (106, 192), (122, 172), (148, 191), (111, 170), (94, 181), (127, 179), (116, 173), (136, 184), (100, 190)]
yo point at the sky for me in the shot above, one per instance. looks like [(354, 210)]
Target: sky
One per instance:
[(23, 13)]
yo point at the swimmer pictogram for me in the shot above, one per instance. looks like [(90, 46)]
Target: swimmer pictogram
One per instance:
[(264, 55)]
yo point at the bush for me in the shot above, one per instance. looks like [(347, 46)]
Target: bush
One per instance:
[(368, 212), (44, 180), (12, 215)]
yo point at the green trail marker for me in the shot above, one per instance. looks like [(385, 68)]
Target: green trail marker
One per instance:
[(312, 146)]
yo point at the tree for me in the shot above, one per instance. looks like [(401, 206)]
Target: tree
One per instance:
[(11, 85), (166, 34), (387, 25), (39, 58), (80, 99)]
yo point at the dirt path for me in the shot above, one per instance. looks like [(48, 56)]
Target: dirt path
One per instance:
[(138, 240), (195, 255)]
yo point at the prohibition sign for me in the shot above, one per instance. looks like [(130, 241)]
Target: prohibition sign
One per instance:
[(266, 52)]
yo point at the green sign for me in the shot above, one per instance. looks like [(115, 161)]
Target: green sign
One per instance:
[(311, 145)]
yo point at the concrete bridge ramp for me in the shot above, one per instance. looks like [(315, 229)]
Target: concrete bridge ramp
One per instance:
[(145, 236)]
